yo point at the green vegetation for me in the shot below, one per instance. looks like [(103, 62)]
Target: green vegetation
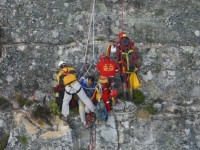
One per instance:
[(144, 111), (138, 96), (55, 109), (3, 141), (43, 113), (40, 112), (158, 69), (70, 40), (74, 111), (20, 100), (77, 9), (100, 38), (29, 103), (149, 107), (23, 139)]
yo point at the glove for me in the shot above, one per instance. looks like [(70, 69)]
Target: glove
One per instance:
[(59, 88)]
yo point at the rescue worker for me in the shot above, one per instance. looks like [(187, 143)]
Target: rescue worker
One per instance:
[(67, 79), (94, 91), (107, 69), (88, 85)]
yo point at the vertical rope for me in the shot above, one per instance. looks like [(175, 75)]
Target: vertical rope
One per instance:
[(93, 13), (122, 15), (89, 30)]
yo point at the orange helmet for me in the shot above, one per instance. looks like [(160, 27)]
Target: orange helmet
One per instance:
[(103, 57), (122, 34)]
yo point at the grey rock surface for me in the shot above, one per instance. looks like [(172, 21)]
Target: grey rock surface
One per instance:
[(36, 35)]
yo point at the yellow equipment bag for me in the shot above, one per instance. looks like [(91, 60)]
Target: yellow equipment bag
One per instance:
[(134, 81), (69, 75)]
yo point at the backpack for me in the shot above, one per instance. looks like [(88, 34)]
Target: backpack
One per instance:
[(101, 112), (66, 76)]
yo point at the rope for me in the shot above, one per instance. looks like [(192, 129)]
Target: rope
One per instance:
[(88, 39), (93, 27), (122, 15), (91, 121), (89, 30)]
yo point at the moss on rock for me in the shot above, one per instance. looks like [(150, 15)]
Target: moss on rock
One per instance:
[(3, 141)]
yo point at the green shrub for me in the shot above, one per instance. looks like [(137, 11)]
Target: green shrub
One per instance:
[(100, 38), (74, 111), (3, 141), (20, 100), (29, 103), (138, 96), (23, 139), (70, 40), (40, 112), (150, 109), (55, 109)]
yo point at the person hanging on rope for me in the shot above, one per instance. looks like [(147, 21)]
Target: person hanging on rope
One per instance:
[(127, 60), (67, 79), (94, 92), (107, 69), (88, 85)]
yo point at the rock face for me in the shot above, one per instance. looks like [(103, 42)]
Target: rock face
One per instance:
[(36, 35)]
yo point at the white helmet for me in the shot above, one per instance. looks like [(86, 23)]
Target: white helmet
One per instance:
[(61, 63)]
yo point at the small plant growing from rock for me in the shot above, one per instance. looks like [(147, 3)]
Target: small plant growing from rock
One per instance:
[(20, 100), (74, 111), (150, 109), (100, 38), (54, 110), (23, 139), (138, 96), (70, 40), (3, 141)]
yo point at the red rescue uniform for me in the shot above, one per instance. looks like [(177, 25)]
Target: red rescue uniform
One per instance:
[(107, 68)]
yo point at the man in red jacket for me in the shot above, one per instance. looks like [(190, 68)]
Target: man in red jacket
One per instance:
[(107, 69)]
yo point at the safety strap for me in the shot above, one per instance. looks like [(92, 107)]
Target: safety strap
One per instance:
[(74, 93), (127, 58)]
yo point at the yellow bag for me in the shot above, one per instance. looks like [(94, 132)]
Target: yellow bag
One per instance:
[(134, 81), (69, 77)]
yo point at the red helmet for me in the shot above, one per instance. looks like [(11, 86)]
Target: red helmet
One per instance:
[(114, 92), (122, 34), (103, 57)]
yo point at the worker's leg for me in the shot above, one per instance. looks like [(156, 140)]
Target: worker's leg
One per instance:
[(83, 97), (65, 106), (87, 110), (81, 110), (105, 98)]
